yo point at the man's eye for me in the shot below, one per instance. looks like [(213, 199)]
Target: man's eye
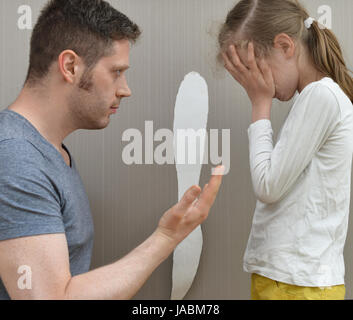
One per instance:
[(118, 73)]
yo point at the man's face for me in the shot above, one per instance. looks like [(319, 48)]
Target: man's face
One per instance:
[(100, 90)]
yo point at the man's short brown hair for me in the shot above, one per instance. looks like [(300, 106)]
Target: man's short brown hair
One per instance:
[(88, 27)]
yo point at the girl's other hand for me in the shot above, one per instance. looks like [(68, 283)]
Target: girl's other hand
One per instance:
[(257, 81)]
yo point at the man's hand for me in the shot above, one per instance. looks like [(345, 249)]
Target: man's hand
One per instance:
[(48, 256), (179, 221)]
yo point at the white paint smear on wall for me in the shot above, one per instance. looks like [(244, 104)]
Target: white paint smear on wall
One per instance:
[(191, 112)]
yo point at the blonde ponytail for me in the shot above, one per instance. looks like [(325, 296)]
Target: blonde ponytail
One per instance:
[(328, 58)]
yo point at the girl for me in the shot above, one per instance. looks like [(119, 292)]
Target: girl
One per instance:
[(273, 49)]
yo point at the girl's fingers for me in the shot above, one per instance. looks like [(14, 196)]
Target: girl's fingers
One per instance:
[(230, 67), (236, 60), (227, 63), (251, 57), (266, 71)]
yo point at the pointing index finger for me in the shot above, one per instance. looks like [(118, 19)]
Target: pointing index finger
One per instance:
[(208, 195)]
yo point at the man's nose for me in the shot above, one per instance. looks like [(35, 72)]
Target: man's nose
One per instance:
[(123, 88)]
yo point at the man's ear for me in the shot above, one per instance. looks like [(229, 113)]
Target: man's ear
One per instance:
[(69, 65), (285, 43)]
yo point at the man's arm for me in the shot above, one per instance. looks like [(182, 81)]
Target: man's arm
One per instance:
[(48, 258)]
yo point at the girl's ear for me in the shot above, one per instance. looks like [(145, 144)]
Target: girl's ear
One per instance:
[(285, 43)]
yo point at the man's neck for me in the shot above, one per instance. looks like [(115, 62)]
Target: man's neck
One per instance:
[(48, 115)]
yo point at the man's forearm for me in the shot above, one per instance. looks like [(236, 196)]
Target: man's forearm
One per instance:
[(122, 279)]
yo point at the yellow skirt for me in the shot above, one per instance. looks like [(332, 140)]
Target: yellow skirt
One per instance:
[(263, 288)]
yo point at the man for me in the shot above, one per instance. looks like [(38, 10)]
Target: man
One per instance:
[(76, 80)]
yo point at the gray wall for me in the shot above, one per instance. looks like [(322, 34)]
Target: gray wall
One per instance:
[(127, 201)]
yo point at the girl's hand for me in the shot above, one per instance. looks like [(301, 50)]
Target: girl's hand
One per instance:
[(257, 81)]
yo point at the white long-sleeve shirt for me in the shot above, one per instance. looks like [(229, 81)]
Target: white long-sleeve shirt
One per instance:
[(303, 190)]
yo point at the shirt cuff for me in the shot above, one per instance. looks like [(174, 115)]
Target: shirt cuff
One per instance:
[(259, 125)]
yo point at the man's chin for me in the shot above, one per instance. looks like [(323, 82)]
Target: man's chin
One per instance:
[(97, 125), (102, 126)]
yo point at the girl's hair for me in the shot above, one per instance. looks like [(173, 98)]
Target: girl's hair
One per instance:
[(261, 20)]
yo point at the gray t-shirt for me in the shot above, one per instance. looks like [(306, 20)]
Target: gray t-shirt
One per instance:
[(40, 193)]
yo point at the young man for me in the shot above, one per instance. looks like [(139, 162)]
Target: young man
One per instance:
[(76, 80)]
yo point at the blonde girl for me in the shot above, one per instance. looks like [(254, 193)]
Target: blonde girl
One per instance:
[(274, 49)]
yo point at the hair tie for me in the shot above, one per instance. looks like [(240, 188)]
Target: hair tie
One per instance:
[(308, 22)]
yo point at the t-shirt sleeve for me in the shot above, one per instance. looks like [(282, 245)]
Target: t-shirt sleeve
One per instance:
[(29, 202), (310, 122)]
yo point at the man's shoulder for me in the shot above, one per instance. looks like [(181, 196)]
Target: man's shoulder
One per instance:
[(19, 150), (11, 125)]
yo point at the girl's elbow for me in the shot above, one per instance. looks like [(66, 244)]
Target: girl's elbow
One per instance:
[(267, 196)]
